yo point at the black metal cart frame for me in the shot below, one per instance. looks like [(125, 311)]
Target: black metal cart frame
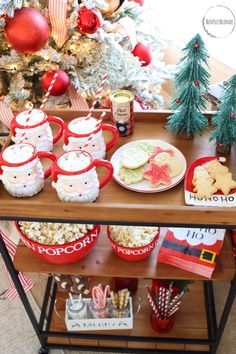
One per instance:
[(42, 327)]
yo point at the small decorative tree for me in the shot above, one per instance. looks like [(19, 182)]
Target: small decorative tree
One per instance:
[(191, 80), (225, 120)]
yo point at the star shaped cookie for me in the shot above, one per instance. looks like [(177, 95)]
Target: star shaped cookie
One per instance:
[(224, 182), (158, 174)]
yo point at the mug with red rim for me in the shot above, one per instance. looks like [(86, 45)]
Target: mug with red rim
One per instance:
[(78, 131), (75, 178), (21, 171), (37, 130)]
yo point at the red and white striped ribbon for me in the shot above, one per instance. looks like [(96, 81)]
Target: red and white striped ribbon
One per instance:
[(97, 96), (26, 282), (6, 114), (57, 12), (92, 134), (49, 91), (76, 99)]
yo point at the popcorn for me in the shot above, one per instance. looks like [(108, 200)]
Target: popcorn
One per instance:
[(54, 233), (133, 236)]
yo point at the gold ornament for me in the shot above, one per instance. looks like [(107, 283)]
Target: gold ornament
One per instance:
[(110, 6)]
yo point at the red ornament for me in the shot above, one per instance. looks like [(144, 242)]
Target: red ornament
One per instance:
[(177, 100), (90, 20), (232, 115), (140, 2), (143, 52), (196, 45), (220, 144), (61, 85), (28, 31), (196, 83)]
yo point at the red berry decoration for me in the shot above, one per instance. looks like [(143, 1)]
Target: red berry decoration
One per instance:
[(232, 115), (28, 31), (144, 54), (61, 85), (140, 2), (90, 20), (196, 45), (177, 100), (196, 83)]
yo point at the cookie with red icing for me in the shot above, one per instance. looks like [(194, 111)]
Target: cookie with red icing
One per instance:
[(158, 174), (159, 150)]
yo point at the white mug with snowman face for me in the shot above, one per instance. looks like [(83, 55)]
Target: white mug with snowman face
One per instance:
[(21, 171), (75, 178), (78, 131), (37, 130)]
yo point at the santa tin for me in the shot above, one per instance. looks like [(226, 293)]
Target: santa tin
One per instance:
[(21, 171), (37, 130), (75, 178), (78, 131)]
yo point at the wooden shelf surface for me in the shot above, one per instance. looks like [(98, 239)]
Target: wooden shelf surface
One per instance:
[(190, 321), (102, 261), (117, 204)]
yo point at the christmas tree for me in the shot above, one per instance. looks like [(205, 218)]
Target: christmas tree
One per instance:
[(191, 80), (87, 39), (225, 120)]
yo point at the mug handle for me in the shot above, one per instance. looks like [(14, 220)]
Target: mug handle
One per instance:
[(114, 132), (60, 122), (47, 155), (109, 174)]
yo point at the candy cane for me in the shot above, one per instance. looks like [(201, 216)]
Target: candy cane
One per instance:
[(92, 134), (49, 90), (97, 96)]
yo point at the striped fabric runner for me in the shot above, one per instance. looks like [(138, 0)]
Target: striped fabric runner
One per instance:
[(57, 13), (27, 283), (6, 114), (77, 101)]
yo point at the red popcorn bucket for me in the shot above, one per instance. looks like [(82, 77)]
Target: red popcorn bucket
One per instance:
[(62, 254), (132, 253)]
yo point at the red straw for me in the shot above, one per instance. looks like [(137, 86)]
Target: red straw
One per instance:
[(26, 123), (49, 91), (92, 134), (97, 96)]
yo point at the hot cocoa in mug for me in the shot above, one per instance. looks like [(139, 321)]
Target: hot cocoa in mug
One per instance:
[(78, 131), (75, 178), (37, 130), (21, 171)]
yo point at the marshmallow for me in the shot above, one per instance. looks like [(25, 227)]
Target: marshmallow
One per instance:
[(36, 117), (82, 126), (73, 161), (18, 153)]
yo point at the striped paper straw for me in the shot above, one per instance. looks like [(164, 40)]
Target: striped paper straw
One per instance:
[(152, 303), (92, 134), (26, 124), (97, 96), (49, 90)]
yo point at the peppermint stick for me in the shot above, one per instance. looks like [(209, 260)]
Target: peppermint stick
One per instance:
[(49, 90), (92, 134), (97, 96)]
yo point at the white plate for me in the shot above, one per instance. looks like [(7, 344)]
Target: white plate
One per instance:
[(143, 186)]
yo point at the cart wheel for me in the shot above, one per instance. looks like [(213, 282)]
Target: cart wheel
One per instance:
[(43, 350)]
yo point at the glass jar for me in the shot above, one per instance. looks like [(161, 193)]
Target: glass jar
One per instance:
[(120, 313), (105, 312), (77, 309), (162, 326)]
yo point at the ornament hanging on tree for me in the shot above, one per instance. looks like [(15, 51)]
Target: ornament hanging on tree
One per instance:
[(90, 20), (224, 121), (192, 78), (61, 85), (107, 7), (28, 31), (144, 54)]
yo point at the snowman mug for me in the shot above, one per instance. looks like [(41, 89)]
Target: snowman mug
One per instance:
[(78, 131), (21, 171), (75, 178), (37, 130)]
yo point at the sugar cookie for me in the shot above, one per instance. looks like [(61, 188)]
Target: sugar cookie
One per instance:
[(133, 158)]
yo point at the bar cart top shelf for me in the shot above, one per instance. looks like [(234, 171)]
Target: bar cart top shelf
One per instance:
[(117, 204)]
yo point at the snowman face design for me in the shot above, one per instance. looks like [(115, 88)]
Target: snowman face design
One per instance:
[(78, 188)]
